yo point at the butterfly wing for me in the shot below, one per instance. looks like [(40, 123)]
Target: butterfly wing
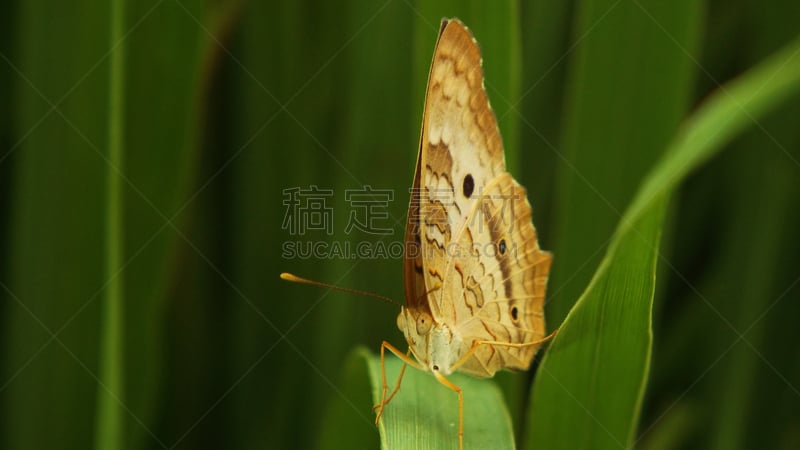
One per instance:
[(499, 279), (413, 262), (467, 204), (460, 148)]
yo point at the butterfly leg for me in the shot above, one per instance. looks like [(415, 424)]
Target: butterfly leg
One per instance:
[(521, 344), (457, 389), (475, 345), (407, 360), (399, 379)]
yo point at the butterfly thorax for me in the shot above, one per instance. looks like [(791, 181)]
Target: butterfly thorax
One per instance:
[(435, 345)]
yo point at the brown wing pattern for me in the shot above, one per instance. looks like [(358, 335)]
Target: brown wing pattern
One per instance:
[(499, 280), (457, 121), (413, 263)]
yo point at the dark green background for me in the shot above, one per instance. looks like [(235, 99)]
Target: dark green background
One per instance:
[(229, 103)]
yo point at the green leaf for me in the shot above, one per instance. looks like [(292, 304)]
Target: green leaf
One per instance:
[(618, 118), (591, 382), (545, 55), (596, 367), (172, 58), (54, 254), (57, 342), (758, 208), (110, 397), (424, 413)]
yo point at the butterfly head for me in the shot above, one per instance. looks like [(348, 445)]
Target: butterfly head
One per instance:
[(433, 343)]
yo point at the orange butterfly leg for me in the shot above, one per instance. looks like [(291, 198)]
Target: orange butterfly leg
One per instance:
[(509, 344), (521, 344), (397, 384), (475, 345), (457, 389), (406, 358)]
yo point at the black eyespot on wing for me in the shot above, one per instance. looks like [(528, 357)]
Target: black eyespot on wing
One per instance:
[(514, 313), (469, 186), (501, 246)]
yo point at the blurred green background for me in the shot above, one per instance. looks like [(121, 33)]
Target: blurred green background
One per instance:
[(225, 105)]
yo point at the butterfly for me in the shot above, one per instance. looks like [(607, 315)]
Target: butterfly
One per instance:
[(475, 277)]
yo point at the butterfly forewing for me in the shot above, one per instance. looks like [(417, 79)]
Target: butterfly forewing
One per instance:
[(460, 149), (413, 261)]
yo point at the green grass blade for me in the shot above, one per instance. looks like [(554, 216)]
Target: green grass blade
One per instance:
[(546, 51), (110, 397), (54, 255), (424, 413), (371, 155), (674, 431), (172, 59), (61, 271), (591, 382), (588, 390), (629, 86), (759, 212), (276, 149), (733, 108)]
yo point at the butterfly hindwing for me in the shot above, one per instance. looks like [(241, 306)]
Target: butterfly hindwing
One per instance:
[(498, 279)]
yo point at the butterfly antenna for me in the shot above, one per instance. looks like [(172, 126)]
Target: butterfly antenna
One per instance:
[(295, 279)]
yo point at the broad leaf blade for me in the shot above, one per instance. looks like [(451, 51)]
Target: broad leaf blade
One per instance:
[(604, 343), (424, 413), (54, 255)]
